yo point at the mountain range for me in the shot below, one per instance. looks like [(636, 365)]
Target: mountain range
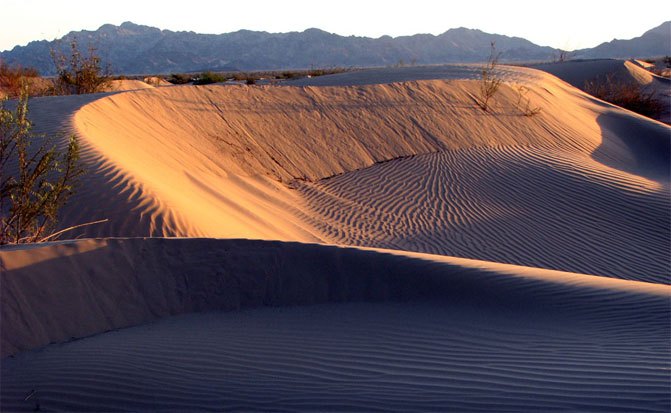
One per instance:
[(136, 49)]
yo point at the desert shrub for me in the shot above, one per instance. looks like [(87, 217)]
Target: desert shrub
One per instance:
[(179, 78), (79, 73), (207, 78), (240, 76), (250, 81), (37, 178), (13, 78), (628, 95), (489, 80), (524, 103)]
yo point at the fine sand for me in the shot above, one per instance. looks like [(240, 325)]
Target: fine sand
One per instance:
[(427, 332), (418, 253)]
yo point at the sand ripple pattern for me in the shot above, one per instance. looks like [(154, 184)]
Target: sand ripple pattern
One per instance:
[(527, 206), (351, 357)]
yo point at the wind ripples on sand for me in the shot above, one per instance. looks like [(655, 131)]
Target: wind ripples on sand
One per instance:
[(386, 356), (526, 206)]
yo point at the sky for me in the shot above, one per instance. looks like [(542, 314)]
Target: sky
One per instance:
[(566, 24)]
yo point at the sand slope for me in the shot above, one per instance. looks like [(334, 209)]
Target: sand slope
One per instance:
[(535, 207), (579, 73), (224, 161), (429, 331)]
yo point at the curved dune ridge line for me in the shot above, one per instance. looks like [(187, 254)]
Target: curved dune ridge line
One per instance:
[(581, 187), (126, 85), (211, 157), (428, 331)]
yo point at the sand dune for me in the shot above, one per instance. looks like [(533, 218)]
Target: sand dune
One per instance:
[(541, 208), (125, 85), (579, 73), (400, 159), (433, 331), (225, 161)]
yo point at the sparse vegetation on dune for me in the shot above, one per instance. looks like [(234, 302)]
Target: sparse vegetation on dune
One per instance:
[(14, 78), (37, 177), (250, 78), (524, 103), (489, 80), (79, 73), (207, 78), (179, 78), (625, 94)]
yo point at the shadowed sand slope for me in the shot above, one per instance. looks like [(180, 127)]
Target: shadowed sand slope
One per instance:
[(535, 207), (425, 332)]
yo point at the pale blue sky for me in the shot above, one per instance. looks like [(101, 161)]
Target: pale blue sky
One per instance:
[(567, 24)]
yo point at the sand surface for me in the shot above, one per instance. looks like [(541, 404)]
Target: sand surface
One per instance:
[(579, 73), (351, 357), (502, 260), (421, 330)]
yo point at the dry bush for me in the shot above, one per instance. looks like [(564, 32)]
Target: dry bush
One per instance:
[(628, 95), (207, 78), (79, 73), (524, 103), (489, 80), (13, 79), (36, 177), (180, 78)]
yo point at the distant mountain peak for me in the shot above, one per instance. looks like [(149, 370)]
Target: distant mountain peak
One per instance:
[(654, 42), (662, 29), (134, 48)]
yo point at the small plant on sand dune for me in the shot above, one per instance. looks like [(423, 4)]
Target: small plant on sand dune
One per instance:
[(628, 95), (489, 80), (79, 73), (524, 103), (36, 177)]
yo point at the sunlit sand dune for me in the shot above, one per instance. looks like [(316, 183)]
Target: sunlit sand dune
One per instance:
[(415, 252), (580, 187)]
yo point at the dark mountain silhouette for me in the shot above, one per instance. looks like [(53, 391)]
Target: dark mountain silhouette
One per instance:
[(136, 49)]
